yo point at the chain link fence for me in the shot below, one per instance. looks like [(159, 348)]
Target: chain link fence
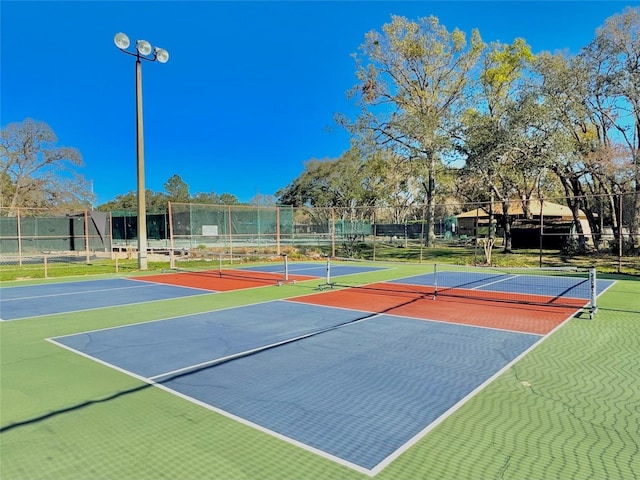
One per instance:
[(598, 230)]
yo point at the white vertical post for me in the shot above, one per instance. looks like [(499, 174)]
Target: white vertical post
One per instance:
[(286, 267), (593, 291), (435, 280), (328, 270)]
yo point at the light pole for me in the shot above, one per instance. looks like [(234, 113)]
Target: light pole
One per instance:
[(143, 52)]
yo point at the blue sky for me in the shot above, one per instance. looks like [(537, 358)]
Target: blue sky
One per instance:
[(250, 90)]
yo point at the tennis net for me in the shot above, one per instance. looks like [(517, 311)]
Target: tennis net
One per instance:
[(267, 269), (563, 287)]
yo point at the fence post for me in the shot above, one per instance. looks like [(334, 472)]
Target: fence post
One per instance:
[(46, 272), (424, 210), (111, 232), (86, 237), (333, 232), (620, 234), (230, 234), (374, 235), (172, 261), (19, 237), (541, 229), (277, 230)]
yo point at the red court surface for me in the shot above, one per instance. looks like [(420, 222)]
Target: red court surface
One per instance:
[(211, 280), (420, 303)]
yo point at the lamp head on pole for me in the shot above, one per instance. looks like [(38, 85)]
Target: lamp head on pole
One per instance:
[(143, 47), (121, 41), (161, 55)]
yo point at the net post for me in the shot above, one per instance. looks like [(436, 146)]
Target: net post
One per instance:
[(328, 279), (46, 271), (286, 267), (435, 281), (220, 265), (593, 292)]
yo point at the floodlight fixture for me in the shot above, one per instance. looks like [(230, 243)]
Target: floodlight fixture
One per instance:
[(161, 55), (121, 41), (143, 47)]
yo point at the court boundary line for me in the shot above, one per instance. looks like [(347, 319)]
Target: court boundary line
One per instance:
[(212, 363), (510, 277), (149, 381), (460, 403), (153, 381), (76, 293), (110, 306), (175, 317)]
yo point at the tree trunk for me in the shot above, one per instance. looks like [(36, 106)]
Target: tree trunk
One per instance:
[(635, 218), (431, 205), (506, 227)]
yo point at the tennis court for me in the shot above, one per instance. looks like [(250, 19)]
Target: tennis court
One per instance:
[(352, 378), (375, 370), (39, 300)]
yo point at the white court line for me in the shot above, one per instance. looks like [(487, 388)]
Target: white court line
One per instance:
[(238, 419), (417, 437), (265, 347), (77, 293), (511, 277), (369, 472), (72, 312)]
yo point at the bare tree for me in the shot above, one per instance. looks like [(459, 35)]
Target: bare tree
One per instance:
[(36, 172)]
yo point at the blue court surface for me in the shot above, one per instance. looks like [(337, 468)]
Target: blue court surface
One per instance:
[(359, 393), (38, 300)]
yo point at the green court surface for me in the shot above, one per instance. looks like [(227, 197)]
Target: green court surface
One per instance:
[(568, 409)]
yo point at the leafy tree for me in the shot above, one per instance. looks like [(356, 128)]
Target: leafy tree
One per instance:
[(206, 198), (229, 199), (612, 60), (500, 146), (593, 106), (128, 202), (336, 189), (177, 190), (411, 92), (263, 200), (35, 172)]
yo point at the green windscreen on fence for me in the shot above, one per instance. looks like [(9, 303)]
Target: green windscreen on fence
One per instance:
[(42, 234), (220, 225)]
